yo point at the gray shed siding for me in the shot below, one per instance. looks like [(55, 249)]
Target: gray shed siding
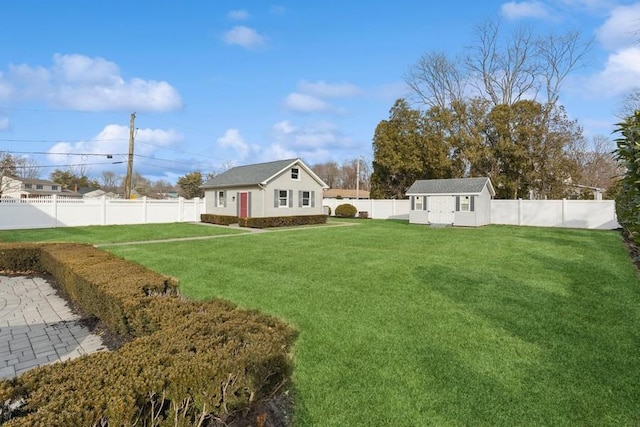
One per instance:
[(481, 214)]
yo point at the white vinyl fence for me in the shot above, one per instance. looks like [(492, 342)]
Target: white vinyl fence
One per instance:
[(65, 212), (592, 214)]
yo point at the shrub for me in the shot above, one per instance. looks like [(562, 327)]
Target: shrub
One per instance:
[(218, 219), (628, 153), (282, 221), (346, 211), (190, 361)]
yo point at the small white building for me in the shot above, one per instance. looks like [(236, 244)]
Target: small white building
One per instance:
[(273, 189), (457, 201)]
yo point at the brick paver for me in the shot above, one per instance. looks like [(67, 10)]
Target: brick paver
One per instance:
[(37, 327)]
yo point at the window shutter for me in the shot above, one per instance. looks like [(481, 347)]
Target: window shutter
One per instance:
[(276, 196), (472, 203), (413, 202), (249, 204), (313, 199), (457, 203), (224, 199), (290, 198), (299, 198), (424, 203), (237, 204)]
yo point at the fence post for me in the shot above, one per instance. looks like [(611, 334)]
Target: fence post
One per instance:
[(564, 211), (519, 211), (104, 209), (54, 209), (144, 209), (180, 209)]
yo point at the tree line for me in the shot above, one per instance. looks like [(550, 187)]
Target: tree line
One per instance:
[(493, 111)]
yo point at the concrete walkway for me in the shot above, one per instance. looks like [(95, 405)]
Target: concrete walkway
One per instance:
[(37, 327)]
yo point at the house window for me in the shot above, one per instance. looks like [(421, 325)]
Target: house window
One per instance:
[(54, 187), (418, 203), (295, 174), (28, 186), (39, 187), (220, 199), (283, 198), (306, 199)]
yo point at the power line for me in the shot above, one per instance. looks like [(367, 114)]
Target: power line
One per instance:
[(65, 154), (51, 141)]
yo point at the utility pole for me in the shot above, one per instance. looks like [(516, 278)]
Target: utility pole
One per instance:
[(128, 178), (358, 180)]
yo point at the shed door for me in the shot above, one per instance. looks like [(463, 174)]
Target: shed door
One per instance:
[(244, 205), (441, 209)]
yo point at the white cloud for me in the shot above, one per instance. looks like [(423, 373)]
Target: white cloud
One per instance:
[(524, 9), (238, 15), (244, 36), (620, 75), (113, 140), (320, 135), (83, 83), (305, 103), (4, 123), (232, 139), (621, 27), (329, 90)]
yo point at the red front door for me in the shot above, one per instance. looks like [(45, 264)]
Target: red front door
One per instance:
[(244, 205)]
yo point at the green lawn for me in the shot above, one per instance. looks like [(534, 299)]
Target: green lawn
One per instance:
[(115, 233), (403, 325)]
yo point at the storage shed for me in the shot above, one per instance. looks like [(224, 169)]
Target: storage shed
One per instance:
[(457, 201)]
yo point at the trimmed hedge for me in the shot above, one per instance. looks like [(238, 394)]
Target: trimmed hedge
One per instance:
[(282, 221), (189, 362), (218, 219), (346, 210)]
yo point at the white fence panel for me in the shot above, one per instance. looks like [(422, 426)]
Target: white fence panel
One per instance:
[(376, 208), (592, 214), (64, 212)]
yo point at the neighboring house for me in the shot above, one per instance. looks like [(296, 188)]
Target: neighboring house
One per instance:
[(273, 189), (343, 193), (458, 201), (100, 193), (22, 188)]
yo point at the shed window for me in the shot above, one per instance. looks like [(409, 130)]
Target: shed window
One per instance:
[(464, 203), (220, 199), (295, 174), (39, 187), (54, 187), (418, 203), (28, 186)]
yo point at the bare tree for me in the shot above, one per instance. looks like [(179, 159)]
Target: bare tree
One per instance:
[(436, 80), (598, 166), (629, 104), (110, 181), (502, 70)]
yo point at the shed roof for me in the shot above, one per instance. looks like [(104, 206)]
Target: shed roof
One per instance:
[(259, 173), (451, 186)]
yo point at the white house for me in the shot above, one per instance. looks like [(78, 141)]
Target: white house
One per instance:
[(458, 201), (273, 189), (21, 188)]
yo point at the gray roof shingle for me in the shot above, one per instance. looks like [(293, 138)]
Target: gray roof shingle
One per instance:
[(249, 174), (450, 186)]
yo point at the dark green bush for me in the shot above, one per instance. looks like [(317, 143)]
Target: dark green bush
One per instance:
[(189, 360), (628, 198), (282, 221), (346, 210), (219, 219)]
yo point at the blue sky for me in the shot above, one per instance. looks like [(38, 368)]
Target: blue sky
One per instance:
[(222, 83)]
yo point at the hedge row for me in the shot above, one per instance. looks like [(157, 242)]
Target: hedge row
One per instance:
[(219, 219), (190, 362), (282, 221)]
